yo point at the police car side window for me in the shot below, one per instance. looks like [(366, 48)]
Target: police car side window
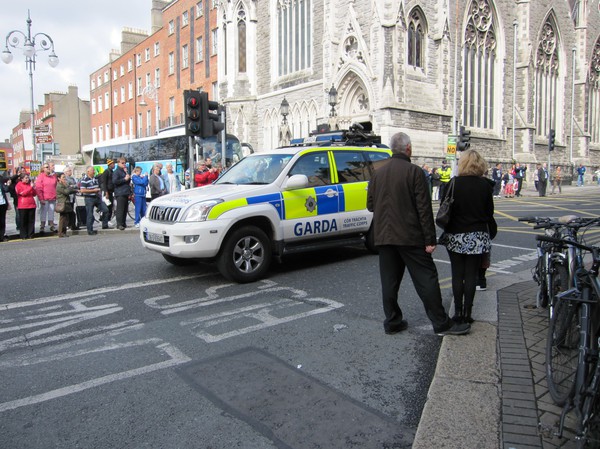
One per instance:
[(316, 168), (376, 159), (351, 166)]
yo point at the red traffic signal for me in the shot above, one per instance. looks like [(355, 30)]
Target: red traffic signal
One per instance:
[(192, 100)]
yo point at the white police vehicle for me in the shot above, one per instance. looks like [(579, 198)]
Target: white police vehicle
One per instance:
[(310, 195)]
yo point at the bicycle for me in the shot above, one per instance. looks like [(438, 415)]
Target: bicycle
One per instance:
[(561, 344), (551, 270), (130, 212), (574, 331)]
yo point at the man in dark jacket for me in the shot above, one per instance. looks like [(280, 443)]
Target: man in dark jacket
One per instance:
[(404, 233), (121, 181), (106, 184)]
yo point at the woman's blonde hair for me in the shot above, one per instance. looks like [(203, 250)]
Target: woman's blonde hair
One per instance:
[(471, 163)]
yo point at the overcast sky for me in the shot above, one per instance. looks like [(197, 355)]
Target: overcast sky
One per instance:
[(83, 32)]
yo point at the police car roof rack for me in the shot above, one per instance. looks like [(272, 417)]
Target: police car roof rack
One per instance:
[(355, 136)]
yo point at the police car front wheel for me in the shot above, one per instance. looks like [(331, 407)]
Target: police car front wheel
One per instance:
[(245, 255)]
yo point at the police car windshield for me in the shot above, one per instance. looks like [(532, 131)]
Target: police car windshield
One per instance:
[(256, 169)]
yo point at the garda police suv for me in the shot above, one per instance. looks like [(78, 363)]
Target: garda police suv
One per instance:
[(312, 194)]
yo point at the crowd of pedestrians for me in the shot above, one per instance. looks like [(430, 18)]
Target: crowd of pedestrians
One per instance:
[(108, 193)]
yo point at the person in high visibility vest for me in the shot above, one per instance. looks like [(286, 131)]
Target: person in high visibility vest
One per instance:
[(445, 175)]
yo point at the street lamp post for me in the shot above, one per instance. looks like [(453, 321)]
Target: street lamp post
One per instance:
[(30, 45), (151, 91), (333, 101), (333, 94), (284, 109)]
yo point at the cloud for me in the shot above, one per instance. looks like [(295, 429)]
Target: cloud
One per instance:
[(83, 33)]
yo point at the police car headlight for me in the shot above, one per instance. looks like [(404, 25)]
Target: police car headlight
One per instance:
[(199, 212)]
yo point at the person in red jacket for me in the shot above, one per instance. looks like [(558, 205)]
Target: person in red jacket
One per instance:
[(205, 175), (26, 205), (45, 187)]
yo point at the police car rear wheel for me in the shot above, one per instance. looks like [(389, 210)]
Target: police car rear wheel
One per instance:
[(246, 255), (180, 262)]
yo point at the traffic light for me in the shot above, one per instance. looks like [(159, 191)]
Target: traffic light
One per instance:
[(211, 124), (193, 124), (551, 136), (464, 139)]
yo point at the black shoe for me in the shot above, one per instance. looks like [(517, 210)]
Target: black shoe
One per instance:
[(456, 329), (402, 327), (121, 228), (105, 227), (92, 232)]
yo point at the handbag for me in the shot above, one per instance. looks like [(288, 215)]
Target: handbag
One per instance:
[(60, 207), (445, 211)]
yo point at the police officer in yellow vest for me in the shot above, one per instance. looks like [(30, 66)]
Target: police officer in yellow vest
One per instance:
[(445, 175)]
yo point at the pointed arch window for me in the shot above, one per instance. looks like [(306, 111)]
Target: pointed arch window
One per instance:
[(594, 95), (479, 66), (241, 37), (546, 80), (294, 37), (416, 39)]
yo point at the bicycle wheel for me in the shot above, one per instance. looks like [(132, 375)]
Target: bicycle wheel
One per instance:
[(590, 431), (559, 282), (539, 275), (131, 210), (562, 350)]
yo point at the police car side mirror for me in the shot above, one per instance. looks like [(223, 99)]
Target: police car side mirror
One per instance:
[(296, 182)]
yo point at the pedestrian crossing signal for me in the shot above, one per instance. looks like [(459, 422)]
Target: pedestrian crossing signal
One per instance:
[(464, 139)]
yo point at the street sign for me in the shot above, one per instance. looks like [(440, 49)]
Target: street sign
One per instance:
[(43, 138), (451, 147), (42, 128)]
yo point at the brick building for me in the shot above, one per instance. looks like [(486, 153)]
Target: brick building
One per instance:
[(67, 119), (144, 82)]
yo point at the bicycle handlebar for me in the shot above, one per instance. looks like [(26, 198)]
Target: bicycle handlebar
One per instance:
[(595, 250)]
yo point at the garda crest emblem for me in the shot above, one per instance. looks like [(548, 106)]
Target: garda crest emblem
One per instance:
[(310, 204)]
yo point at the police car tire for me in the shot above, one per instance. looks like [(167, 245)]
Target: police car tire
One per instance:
[(370, 241), (230, 262), (179, 261)]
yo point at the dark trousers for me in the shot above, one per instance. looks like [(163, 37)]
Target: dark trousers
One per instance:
[(542, 186), (497, 187), (63, 222), (90, 203), (443, 187), (393, 260), (121, 210), (72, 217), (3, 209), (465, 273), (519, 185), (27, 228), (112, 204), (16, 209)]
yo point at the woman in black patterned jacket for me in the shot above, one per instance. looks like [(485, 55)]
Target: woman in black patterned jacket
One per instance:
[(470, 231)]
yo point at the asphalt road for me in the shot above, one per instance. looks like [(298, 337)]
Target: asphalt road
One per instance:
[(105, 345)]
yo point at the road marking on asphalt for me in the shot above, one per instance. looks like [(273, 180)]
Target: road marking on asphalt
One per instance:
[(176, 357), (293, 304), (35, 326), (97, 291)]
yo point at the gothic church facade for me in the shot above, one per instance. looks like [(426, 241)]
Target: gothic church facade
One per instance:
[(508, 70)]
